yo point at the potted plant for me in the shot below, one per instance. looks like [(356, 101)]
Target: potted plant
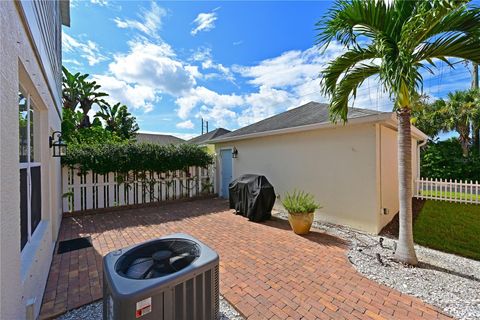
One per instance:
[(301, 207)]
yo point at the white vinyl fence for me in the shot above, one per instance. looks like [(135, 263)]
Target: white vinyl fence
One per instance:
[(447, 190), (85, 191)]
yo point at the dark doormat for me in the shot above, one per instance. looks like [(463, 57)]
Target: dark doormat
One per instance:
[(74, 244)]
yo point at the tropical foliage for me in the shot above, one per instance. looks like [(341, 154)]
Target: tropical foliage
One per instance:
[(299, 202), (110, 124), (395, 41), (137, 157), (106, 144), (460, 112), (425, 116), (118, 120), (445, 160)]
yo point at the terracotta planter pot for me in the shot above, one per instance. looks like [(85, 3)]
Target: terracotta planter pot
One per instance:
[(301, 222)]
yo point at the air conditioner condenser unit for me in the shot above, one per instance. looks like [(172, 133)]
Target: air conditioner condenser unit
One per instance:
[(171, 278)]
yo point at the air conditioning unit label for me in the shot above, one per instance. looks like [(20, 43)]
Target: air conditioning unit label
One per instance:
[(143, 307)]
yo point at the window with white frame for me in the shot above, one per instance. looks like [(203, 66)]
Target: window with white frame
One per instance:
[(30, 169)]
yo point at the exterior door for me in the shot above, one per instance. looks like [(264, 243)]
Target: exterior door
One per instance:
[(226, 171)]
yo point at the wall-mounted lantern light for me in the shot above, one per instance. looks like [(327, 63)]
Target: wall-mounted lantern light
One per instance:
[(59, 147), (234, 153)]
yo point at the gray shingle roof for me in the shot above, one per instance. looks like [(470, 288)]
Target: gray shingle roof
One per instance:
[(310, 113), (161, 139), (204, 138)]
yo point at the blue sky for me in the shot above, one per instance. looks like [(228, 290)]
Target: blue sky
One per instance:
[(232, 63)]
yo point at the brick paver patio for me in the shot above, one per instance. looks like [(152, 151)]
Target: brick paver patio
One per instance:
[(267, 272)]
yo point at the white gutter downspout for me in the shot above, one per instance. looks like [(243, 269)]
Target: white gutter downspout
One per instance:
[(419, 146)]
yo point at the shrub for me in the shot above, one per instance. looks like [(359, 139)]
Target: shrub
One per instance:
[(300, 202), (445, 160), (125, 157)]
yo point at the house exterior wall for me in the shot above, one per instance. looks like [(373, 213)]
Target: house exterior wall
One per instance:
[(23, 273), (336, 165), (389, 173), (352, 171)]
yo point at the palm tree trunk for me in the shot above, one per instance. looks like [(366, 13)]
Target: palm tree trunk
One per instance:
[(405, 251), (465, 140), (476, 138)]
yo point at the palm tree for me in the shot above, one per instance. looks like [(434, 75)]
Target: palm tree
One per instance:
[(459, 113), (89, 95), (70, 88), (425, 115), (394, 41), (118, 120)]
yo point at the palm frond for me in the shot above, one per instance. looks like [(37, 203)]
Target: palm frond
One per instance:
[(348, 87), (427, 15), (348, 20), (333, 72), (450, 45), (460, 20)]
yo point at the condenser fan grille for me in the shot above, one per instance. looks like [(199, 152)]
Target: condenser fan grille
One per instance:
[(157, 259)]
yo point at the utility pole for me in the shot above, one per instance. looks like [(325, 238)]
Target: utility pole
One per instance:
[(204, 125)]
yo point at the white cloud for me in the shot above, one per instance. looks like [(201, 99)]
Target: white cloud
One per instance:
[(209, 100), (88, 50), (263, 104), (149, 23), (204, 22), (291, 68), (283, 82), (71, 61), (194, 71), (185, 125), (132, 95), (101, 3), (204, 56), (217, 116), (153, 65)]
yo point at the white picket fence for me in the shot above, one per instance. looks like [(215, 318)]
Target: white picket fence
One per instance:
[(447, 190), (85, 191)]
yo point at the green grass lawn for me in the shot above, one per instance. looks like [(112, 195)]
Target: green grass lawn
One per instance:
[(449, 195), (449, 227)]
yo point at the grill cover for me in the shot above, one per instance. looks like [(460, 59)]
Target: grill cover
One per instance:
[(252, 196)]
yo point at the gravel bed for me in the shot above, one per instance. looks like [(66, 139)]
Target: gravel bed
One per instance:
[(447, 281), (94, 311)]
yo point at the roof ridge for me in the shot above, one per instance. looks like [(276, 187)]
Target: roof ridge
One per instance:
[(309, 113)]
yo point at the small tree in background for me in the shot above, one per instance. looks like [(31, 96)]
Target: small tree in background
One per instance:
[(118, 120), (79, 96), (460, 112), (88, 96), (425, 117)]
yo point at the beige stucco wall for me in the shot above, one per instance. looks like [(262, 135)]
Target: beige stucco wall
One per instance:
[(389, 172), (23, 274), (337, 165), (351, 170)]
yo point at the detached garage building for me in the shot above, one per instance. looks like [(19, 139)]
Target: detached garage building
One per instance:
[(351, 169)]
